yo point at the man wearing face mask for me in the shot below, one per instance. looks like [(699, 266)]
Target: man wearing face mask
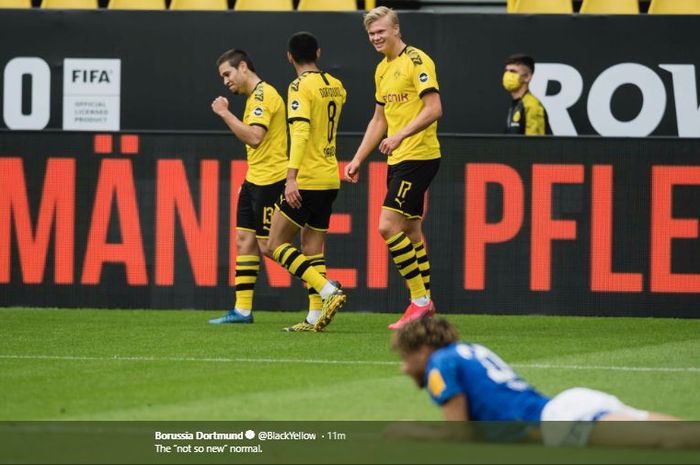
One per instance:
[(526, 115)]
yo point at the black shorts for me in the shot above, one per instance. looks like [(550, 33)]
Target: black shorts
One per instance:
[(407, 183), (315, 211), (256, 204)]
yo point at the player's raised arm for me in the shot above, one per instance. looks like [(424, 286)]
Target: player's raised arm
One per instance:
[(241, 79), (376, 129), (248, 134)]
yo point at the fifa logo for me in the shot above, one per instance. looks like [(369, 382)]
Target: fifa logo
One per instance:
[(90, 75)]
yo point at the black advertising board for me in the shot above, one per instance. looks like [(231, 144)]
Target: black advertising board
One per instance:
[(581, 226)]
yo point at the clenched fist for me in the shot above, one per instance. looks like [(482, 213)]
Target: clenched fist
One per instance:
[(219, 105)]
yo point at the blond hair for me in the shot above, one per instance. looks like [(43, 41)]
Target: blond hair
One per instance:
[(378, 13), (431, 332)]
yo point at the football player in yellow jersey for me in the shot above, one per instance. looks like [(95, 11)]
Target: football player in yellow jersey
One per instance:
[(315, 101), (264, 132), (407, 109)]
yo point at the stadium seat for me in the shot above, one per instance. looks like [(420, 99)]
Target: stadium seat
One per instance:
[(199, 5), (674, 7), (510, 6), (543, 6), (610, 6), (327, 5), (263, 5), (70, 4), (15, 3), (136, 5)]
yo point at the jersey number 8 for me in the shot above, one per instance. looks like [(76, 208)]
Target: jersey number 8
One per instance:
[(332, 109)]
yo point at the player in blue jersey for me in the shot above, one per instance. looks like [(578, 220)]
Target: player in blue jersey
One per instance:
[(471, 383)]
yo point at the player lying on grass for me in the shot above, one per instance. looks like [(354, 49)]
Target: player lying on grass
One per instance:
[(471, 383)]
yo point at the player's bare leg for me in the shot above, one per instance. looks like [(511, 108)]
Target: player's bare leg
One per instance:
[(281, 231), (390, 223), (312, 241), (392, 227), (262, 246)]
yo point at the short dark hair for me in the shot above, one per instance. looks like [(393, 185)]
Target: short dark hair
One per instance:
[(432, 332), (303, 47), (234, 58), (521, 59)]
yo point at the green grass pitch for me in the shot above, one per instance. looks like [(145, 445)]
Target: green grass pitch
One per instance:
[(171, 365)]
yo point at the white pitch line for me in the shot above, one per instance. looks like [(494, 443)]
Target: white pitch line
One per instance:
[(206, 360), (611, 368), (336, 362)]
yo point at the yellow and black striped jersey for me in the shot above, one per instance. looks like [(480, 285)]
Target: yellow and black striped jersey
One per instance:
[(527, 116), (400, 84), (267, 164), (316, 98)]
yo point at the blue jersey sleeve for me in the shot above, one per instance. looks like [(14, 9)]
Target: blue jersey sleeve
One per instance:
[(442, 381)]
